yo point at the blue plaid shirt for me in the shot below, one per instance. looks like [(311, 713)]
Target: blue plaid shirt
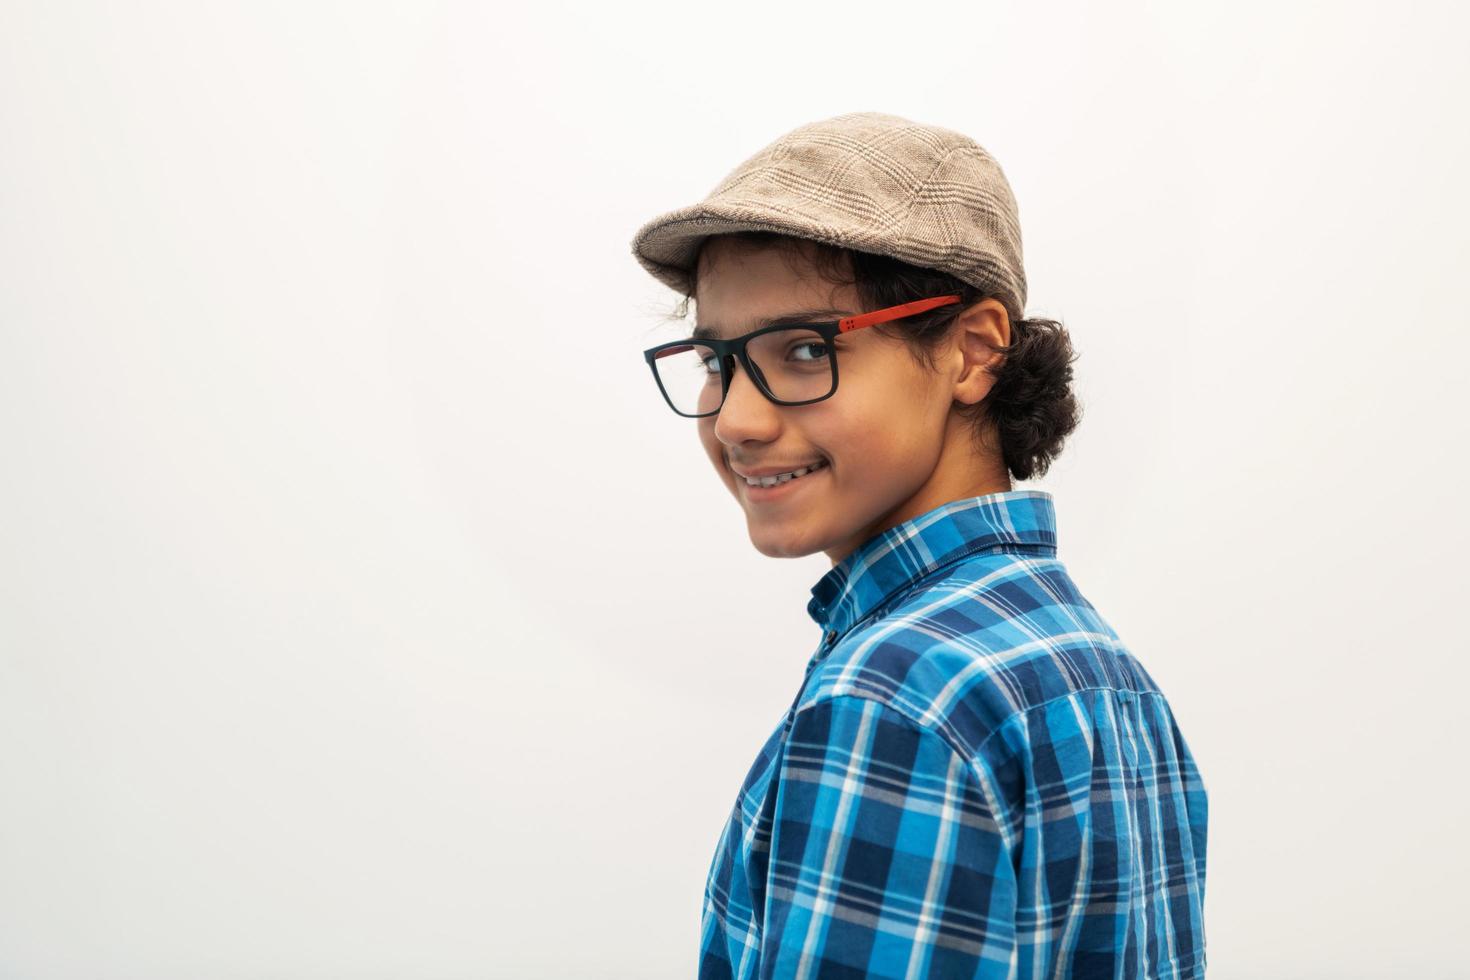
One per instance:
[(976, 779)]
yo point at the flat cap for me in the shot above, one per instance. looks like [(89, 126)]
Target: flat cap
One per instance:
[(867, 181)]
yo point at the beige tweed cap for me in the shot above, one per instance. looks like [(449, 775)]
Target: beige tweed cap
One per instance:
[(868, 181)]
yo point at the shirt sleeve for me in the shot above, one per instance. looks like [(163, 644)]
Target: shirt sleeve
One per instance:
[(886, 858)]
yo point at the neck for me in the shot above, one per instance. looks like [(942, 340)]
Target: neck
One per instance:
[(963, 471)]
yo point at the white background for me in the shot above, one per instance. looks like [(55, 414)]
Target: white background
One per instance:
[(365, 613)]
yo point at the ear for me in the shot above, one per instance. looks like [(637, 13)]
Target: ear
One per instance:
[(978, 332)]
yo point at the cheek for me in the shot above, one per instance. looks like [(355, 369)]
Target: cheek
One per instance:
[(869, 425), (884, 432)]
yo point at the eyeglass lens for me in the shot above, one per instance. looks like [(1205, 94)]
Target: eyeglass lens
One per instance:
[(794, 362)]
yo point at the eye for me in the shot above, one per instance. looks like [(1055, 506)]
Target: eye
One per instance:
[(807, 344)]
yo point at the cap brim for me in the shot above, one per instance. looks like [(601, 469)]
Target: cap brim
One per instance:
[(668, 246)]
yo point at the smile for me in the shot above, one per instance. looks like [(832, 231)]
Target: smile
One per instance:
[(779, 486), (778, 478)]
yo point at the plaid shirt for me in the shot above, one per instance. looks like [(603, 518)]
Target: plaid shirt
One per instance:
[(976, 779)]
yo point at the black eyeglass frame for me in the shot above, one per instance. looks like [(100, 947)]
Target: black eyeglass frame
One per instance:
[(735, 347)]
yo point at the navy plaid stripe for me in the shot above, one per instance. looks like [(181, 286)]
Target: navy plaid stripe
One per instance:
[(976, 779)]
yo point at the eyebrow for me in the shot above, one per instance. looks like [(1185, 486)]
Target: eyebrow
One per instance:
[(708, 332)]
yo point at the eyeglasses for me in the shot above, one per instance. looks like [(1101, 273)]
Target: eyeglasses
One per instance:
[(791, 364)]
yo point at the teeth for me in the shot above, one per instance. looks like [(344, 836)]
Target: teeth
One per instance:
[(775, 478)]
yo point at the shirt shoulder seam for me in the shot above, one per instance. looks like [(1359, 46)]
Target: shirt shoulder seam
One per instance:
[(936, 730), (1021, 712), (940, 731), (976, 772)]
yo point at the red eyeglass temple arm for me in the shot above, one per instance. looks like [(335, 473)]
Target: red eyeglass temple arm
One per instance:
[(864, 319), (893, 313)]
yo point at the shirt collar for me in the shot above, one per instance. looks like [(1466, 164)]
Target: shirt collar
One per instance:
[(891, 562)]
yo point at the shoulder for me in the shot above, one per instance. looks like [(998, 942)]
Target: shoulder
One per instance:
[(864, 752), (978, 648)]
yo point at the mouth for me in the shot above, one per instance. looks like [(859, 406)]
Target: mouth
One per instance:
[(780, 484)]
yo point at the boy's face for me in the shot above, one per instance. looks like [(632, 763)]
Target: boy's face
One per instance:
[(892, 449)]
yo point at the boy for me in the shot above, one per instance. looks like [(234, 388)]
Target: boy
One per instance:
[(976, 778)]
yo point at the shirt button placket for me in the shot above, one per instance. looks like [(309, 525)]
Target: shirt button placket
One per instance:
[(828, 638)]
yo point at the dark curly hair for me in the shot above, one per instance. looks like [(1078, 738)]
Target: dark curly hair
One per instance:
[(1031, 406)]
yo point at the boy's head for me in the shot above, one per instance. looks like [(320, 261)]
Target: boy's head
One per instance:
[(936, 407), (850, 215)]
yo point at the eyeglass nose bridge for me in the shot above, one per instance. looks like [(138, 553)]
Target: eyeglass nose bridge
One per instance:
[(752, 371)]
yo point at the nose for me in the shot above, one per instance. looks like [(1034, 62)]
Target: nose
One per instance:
[(747, 413)]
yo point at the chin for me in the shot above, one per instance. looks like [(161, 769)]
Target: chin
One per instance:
[(782, 546)]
